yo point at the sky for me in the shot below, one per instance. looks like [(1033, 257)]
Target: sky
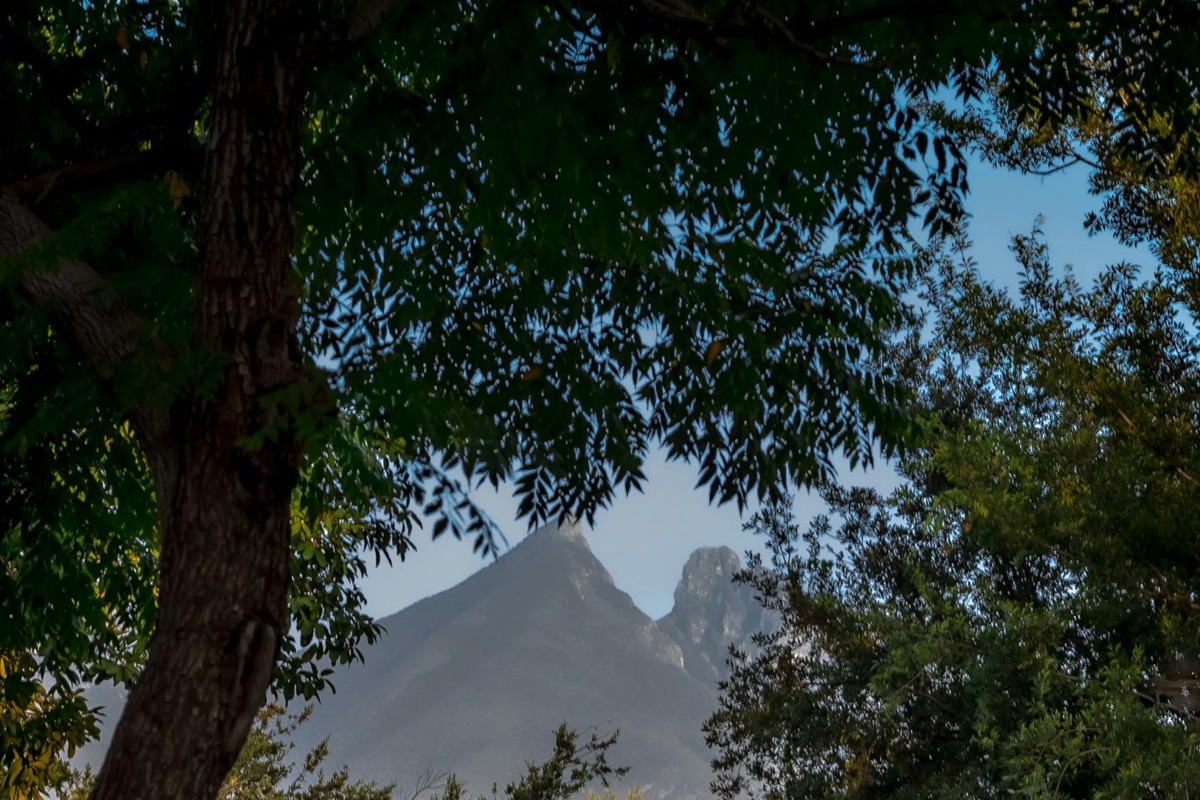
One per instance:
[(645, 539)]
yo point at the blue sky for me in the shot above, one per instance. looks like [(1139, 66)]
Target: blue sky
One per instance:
[(645, 539)]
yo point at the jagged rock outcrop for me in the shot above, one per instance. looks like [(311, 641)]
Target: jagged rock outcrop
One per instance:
[(711, 612)]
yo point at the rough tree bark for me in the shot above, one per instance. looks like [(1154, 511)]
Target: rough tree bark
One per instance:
[(225, 514), (224, 506)]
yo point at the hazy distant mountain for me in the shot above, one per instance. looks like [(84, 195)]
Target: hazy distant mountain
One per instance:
[(475, 679), (711, 612)]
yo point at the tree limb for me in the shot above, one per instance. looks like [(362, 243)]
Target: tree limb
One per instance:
[(1179, 470), (35, 188), (680, 20), (102, 326), (343, 38)]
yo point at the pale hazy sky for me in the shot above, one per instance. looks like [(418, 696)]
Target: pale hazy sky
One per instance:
[(644, 540)]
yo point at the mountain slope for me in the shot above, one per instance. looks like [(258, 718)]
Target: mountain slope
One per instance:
[(476, 678)]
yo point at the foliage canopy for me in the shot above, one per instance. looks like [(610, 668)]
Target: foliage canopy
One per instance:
[(274, 274), (1019, 618)]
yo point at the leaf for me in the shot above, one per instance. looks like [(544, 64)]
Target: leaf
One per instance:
[(714, 351), (177, 189), (440, 527)]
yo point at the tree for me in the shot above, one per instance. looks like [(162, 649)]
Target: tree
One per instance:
[(1019, 618), (53, 721), (275, 272)]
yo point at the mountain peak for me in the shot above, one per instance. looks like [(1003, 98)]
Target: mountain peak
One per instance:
[(708, 569), (712, 612), (569, 528), (563, 544)]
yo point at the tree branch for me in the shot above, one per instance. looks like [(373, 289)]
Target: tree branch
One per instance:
[(35, 188), (1076, 158), (1179, 470), (343, 38), (680, 20), (105, 330), (103, 327)]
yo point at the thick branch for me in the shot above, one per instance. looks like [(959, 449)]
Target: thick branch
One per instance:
[(104, 329), (97, 319)]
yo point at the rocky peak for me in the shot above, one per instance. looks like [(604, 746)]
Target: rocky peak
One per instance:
[(570, 529), (561, 552), (712, 612), (708, 571)]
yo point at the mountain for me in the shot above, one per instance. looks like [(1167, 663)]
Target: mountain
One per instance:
[(475, 679), (712, 612)]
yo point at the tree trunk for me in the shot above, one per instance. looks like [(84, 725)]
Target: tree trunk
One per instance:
[(224, 501)]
